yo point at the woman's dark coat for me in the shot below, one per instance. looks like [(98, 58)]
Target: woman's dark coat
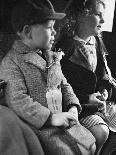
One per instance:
[(84, 81)]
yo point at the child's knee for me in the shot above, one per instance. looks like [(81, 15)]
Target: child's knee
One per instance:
[(101, 133)]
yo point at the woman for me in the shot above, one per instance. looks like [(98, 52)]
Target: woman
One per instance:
[(84, 63)]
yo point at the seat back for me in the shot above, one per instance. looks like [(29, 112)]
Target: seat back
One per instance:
[(2, 92)]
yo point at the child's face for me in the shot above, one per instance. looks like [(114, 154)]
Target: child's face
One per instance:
[(42, 35)]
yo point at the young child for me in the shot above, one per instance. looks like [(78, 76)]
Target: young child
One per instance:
[(35, 83)]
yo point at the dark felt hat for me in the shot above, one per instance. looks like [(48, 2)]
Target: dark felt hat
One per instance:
[(29, 12)]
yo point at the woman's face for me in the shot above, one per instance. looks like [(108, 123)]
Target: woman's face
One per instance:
[(42, 35), (92, 22)]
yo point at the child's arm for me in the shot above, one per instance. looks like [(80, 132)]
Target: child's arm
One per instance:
[(69, 98), (18, 99), (64, 119)]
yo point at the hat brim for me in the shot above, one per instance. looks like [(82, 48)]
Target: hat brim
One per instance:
[(57, 16)]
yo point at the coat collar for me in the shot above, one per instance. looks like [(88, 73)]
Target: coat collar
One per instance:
[(20, 47), (30, 56), (79, 55), (90, 42)]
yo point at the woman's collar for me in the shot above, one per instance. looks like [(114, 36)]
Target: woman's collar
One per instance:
[(90, 42)]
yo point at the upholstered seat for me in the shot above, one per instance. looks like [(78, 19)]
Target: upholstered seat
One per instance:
[(16, 138)]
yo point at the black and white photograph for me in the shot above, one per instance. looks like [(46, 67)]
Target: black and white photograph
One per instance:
[(57, 77)]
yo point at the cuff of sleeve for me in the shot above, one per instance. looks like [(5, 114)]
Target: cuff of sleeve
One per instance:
[(84, 99), (48, 122)]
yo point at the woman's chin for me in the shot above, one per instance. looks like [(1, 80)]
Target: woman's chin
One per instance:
[(96, 33)]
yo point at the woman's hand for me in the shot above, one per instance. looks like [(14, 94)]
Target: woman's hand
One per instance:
[(63, 119), (98, 99), (102, 107), (104, 95), (95, 98)]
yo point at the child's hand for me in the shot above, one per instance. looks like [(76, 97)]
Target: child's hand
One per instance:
[(63, 119), (74, 111)]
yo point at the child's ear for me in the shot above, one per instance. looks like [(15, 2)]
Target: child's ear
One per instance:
[(27, 31)]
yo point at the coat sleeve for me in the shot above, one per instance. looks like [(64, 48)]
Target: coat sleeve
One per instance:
[(104, 73), (69, 98), (104, 81), (17, 96)]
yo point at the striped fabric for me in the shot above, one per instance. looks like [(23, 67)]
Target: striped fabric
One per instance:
[(109, 119), (91, 121)]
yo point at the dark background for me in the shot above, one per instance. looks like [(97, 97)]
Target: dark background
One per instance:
[(7, 36)]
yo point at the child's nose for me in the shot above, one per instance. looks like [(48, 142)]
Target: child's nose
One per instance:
[(53, 32)]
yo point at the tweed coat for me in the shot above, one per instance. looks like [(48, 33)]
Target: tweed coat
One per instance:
[(26, 76), (35, 91)]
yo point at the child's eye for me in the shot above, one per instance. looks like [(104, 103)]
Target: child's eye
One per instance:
[(50, 27)]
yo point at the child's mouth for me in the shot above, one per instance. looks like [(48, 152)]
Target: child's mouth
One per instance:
[(51, 41)]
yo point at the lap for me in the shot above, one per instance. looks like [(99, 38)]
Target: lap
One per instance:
[(92, 120), (56, 141)]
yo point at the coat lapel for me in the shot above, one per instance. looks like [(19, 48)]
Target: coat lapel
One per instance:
[(36, 60), (80, 56), (30, 55)]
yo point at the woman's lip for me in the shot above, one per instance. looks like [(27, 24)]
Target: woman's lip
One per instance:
[(99, 26)]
